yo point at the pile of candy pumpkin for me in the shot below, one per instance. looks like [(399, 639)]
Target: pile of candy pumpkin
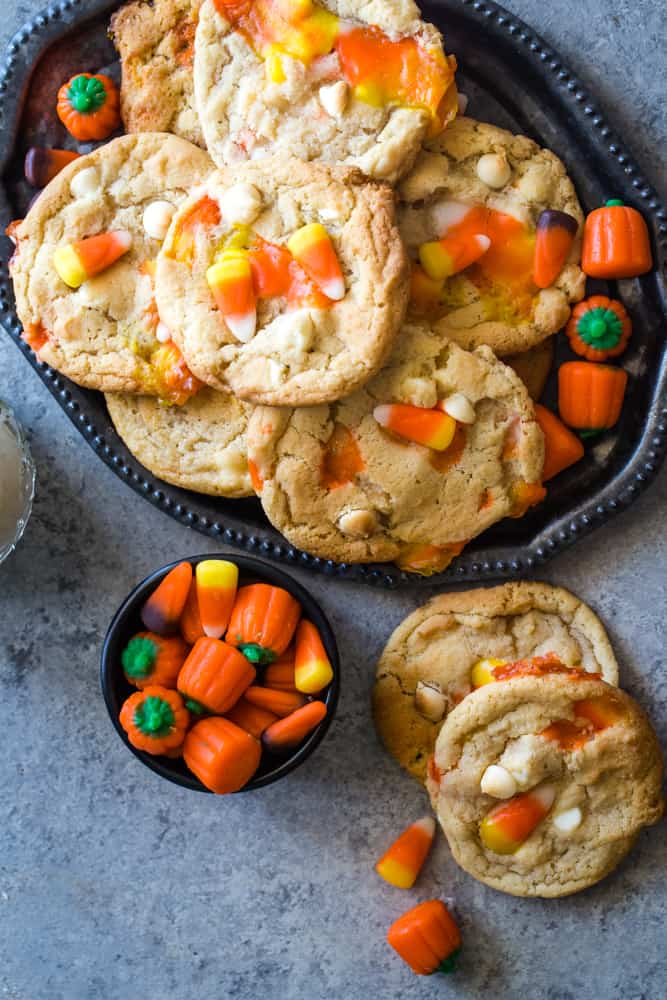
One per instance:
[(198, 666)]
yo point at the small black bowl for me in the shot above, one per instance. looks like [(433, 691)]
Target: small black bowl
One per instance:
[(127, 622)]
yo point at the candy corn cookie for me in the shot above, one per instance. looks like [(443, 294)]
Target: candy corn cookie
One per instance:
[(542, 784), (156, 42), (199, 446), (450, 646), (436, 448), (321, 79), (494, 229), (84, 265), (283, 281)]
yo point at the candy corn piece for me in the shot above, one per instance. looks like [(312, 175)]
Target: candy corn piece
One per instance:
[(286, 734), (508, 825), (77, 262), (556, 232), (251, 718), (231, 283), (163, 609), (281, 703), (482, 672), (452, 254), (280, 675), (313, 249), (217, 581), (404, 860), (312, 670), (431, 428), (190, 623), (42, 164)]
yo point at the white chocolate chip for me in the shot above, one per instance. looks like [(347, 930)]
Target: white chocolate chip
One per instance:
[(430, 701), (419, 392), (494, 170), (162, 333), (292, 334), (498, 782), (463, 103), (358, 523), (274, 373), (333, 98), (569, 821), (156, 219), (241, 204), (328, 215), (460, 408), (85, 183)]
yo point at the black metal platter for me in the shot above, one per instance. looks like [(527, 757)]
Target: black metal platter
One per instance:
[(512, 79)]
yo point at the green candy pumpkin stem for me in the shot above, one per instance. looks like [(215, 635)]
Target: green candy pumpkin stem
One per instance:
[(258, 655), (138, 658), (601, 328), (448, 965), (86, 95), (154, 717)]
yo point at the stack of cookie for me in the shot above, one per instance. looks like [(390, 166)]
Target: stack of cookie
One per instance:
[(315, 309), (504, 702)]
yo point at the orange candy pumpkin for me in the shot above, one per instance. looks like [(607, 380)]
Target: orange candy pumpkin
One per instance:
[(599, 328), (223, 756), (89, 106), (616, 243), (215, 675), (427, 938), (590, 397)]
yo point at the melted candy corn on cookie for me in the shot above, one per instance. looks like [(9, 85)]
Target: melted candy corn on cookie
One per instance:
[(284, 281), (542, 784), (337, 80), (435, 449), (84, 265), (493, 226), (156, 42), (445, 649), (199, 446)]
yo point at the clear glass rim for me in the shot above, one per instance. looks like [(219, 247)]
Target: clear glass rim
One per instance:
[(8, 417)]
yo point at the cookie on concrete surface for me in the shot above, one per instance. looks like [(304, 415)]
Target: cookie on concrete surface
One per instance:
[(199, 446), (542, 784), (105, 334), (264, 230), (156, 42), (321, 79), (478, 185), (534, 367), (427, 665), (340, 485)]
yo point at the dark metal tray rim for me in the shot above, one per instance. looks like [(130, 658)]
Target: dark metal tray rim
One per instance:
[(500, 561)]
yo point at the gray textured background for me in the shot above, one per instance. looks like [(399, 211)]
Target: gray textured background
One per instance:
[(115, 884)]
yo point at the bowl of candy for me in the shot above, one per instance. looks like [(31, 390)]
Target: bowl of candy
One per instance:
[(17, 482), (221, 675)]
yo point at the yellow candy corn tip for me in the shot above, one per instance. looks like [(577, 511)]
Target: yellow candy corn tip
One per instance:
[(445, 435), (482, 674), (313, 677), (495, 840), (396, 874), (274, 65), (435, 260), (232, 267), (217, 574), (67, 264), (306, 238)]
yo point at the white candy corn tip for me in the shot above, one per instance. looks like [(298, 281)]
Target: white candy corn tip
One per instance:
[(163, 333), (334, 289), (427, 824), (123, 238), (459, 407), (463, 103), (483, 242), (382, 414), (446, 214), (545, 795), (243, 327)]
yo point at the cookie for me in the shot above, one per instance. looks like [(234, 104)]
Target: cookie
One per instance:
[(156, 45), (425, 668), (542, 784), (105, 334), (476, 180), (329, 80), (339, 485), (199, 446), (534, 367), (301, 346)]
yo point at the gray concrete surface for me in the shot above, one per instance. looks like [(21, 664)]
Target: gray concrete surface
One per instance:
[(114, 884)]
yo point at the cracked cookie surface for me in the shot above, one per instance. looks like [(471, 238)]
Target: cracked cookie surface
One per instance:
[(156, 45), (250, 107), (199, 446), (102, 335), (594, 793), (305, 351), (339, 486), (483, 304), (439, 643)]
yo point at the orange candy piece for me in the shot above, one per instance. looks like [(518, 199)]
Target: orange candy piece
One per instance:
[(556, 232), (287, 733), (427, 938), (280, 675), (231, 282), (223, 756), (509, 824), (404, 860), (562, 448), (77, 262), (217, 581), (312, 669), (342, 460), (163, 609), (281, 703), (215, 675), (190, 623), (251, 718), (431, 428), (452, 254), (311, 246)]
